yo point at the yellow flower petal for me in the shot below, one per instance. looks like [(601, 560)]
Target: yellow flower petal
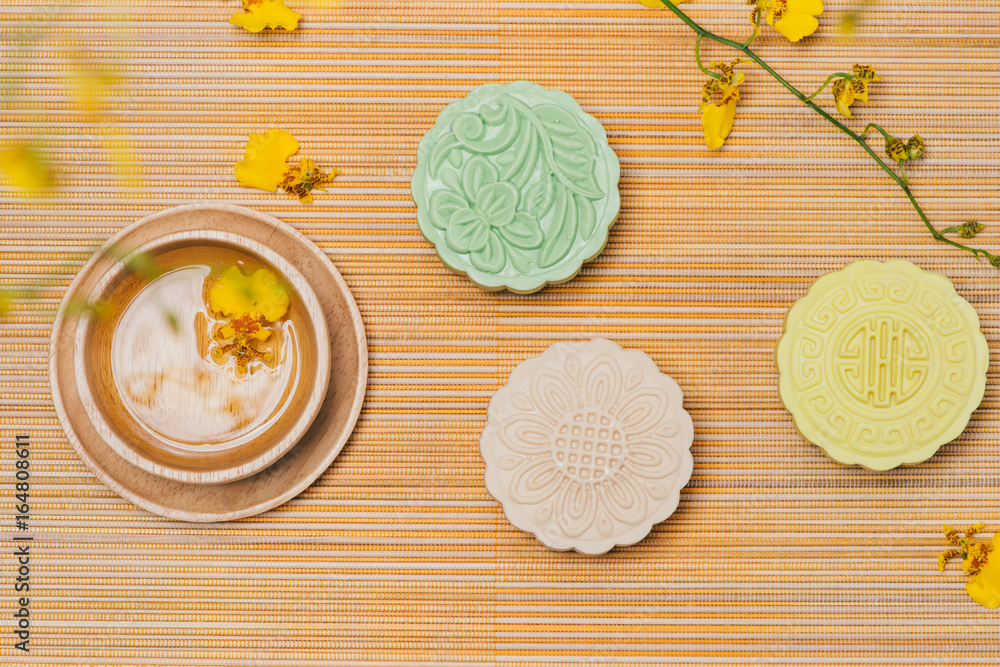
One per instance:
[(266, 163), (24, 169), (230, 294), (865, 72), (717, 122), (249, 329), (843, 96), (259, 295), (796, 26), (984, 588), (795, 19), (814, 7), (260, 14), (860, 87), (270, 296)]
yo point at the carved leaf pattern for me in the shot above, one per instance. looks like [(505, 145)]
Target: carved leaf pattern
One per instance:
[(539, 196), (443, 150), (563, 235), (574, 153), (522, 232)]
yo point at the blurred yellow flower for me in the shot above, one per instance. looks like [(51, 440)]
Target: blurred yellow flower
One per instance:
[(794, 19), (260, 14), (24, 169), (717, 116), (249, 300), (92, 79), (984, 586), (266, 167)]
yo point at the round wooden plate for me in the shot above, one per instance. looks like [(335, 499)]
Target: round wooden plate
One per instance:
[(304, 462)]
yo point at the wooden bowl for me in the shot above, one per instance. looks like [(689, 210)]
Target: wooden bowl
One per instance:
[(187, 435)]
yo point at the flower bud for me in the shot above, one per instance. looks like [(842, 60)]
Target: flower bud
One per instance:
[(915, 147), (896, 149), (969, 229)]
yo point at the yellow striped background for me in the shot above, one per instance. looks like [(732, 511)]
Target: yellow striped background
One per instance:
[(397, 554)]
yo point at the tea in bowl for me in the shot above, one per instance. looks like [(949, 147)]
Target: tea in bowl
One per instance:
[(202, 357)]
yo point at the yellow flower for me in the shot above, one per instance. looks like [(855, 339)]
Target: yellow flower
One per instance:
[(25, 169), (657, 4), (249, 300), (250, 303), (266, 166), (92, 80), (717, 117), (794, 19), (984, 587), (303, 178), (847, 90), (260, 14)]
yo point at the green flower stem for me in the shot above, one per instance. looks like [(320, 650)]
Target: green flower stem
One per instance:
[(745, 50), (864, 135), (869, 126), (902, 173), (976, 252), (829, 79), (697, 57)]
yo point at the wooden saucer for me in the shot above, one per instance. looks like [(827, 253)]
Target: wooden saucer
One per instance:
[(296, 469)]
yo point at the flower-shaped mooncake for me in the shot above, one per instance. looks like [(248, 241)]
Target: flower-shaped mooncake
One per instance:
[(587, 446)]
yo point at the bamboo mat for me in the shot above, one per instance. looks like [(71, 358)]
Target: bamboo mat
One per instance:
[(397, 554)]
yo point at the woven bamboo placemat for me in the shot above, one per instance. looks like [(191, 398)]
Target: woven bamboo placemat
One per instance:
[(397, 554)]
